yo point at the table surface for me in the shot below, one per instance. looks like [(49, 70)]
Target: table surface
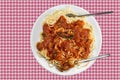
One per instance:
[(16, 22)]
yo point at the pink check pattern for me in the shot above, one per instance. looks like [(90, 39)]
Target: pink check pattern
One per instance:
[(16, 22)]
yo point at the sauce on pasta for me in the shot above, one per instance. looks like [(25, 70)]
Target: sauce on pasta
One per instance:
[(65, 42)]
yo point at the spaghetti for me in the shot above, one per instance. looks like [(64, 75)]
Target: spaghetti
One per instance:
[(65, 40)]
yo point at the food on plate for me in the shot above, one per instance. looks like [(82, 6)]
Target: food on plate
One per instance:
[(65, 40)]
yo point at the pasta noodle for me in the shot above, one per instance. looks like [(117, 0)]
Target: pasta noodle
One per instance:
[(51, 18)]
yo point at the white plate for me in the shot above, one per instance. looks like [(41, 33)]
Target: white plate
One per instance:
[(35, 37)]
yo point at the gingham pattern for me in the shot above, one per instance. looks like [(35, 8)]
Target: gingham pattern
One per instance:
[(16, 58)]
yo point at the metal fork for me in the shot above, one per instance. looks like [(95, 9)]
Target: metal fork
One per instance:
[(93, 58), (94, 14)]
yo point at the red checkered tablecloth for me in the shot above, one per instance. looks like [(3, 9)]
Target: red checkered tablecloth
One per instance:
[(16, 22)]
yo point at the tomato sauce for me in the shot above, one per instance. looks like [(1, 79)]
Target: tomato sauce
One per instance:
[(65, 41)]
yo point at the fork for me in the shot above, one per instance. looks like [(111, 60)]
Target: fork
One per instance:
[(94, 14), (93, 58)]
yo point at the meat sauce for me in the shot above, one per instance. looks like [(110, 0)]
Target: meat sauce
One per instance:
[(65, 42)]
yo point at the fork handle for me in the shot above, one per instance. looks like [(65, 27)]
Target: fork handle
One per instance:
[(95, 14)]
